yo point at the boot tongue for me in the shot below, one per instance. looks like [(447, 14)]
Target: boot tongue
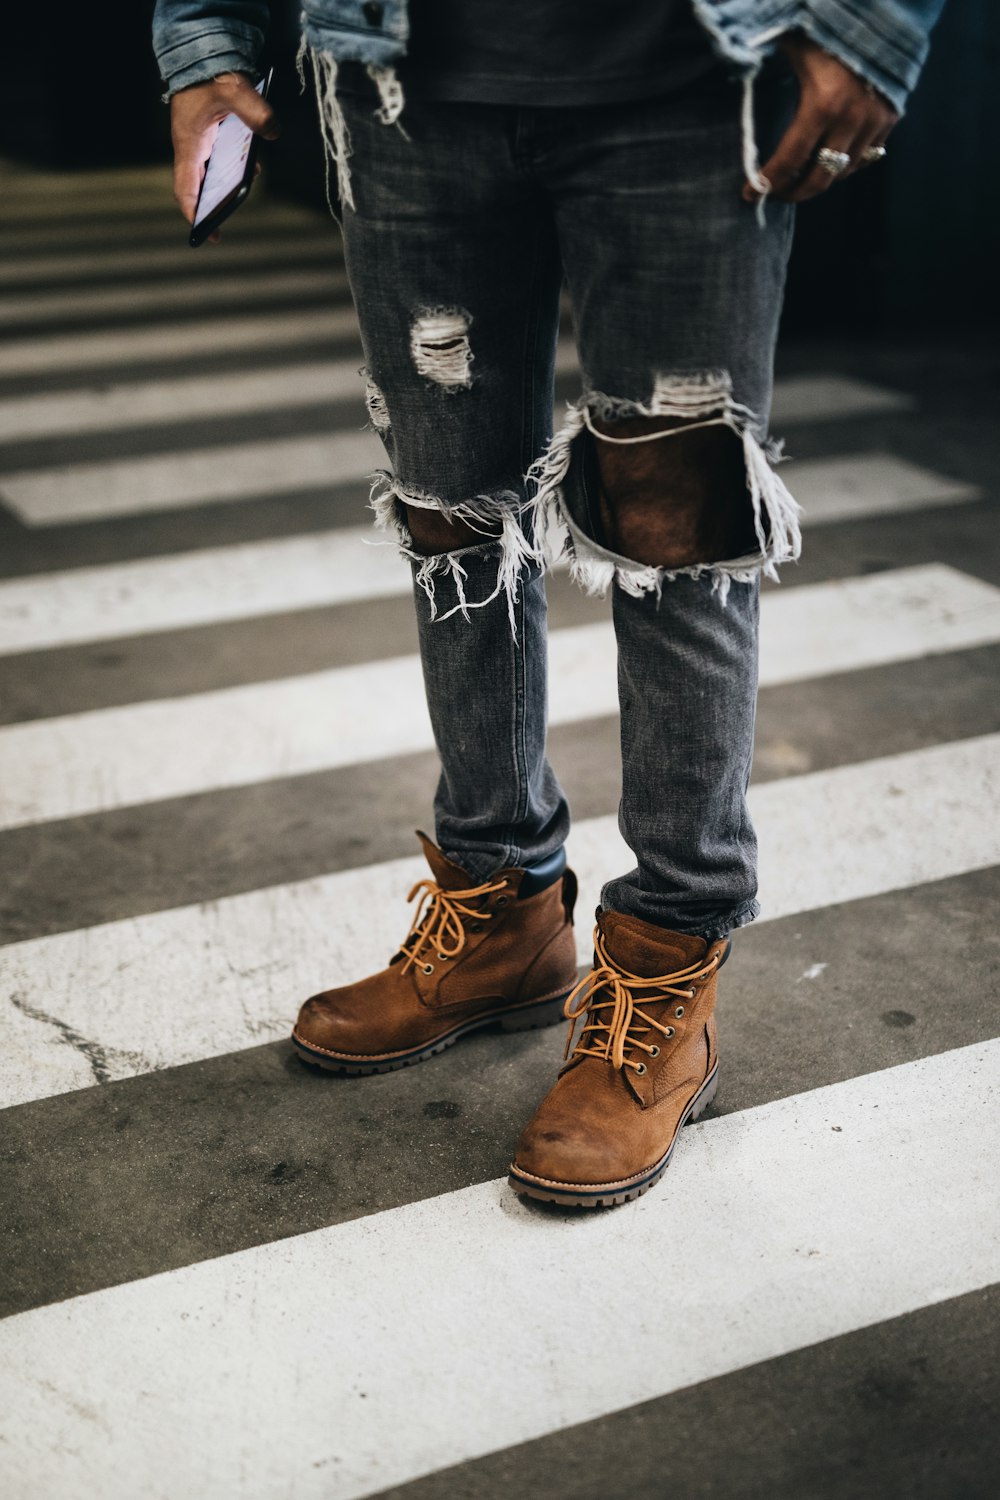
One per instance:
[(647, 950), (449, 876)]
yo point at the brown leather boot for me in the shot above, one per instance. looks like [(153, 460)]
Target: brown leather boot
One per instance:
[(475, 954), (645, 1062)]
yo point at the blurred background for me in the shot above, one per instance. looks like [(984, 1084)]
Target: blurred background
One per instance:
[(914, 245)]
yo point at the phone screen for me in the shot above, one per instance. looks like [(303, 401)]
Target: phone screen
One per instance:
[(227, 163)]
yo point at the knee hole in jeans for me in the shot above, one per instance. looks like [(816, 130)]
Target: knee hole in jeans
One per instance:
[(433, 532), (677, 502)]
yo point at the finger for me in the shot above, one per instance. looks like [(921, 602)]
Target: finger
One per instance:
[(188, 173), (818, 179), (878, 139), (245, 102), (866, 142), (792, 154)]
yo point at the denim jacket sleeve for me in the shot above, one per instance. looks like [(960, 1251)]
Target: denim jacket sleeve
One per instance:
[(195, 40), (884, 41)]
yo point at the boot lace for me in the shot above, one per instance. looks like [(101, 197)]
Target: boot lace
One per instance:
[(438, 924), (610, 1036)]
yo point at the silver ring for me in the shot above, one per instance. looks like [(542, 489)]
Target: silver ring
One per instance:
[(832, 161), (873, 153)]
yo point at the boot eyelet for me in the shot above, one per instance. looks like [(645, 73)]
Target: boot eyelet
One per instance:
[(444, 957), (476, 927), (502, 900), (669, 1031), (640, 1069), (654, 1051), (428, 968), (679, 1011)]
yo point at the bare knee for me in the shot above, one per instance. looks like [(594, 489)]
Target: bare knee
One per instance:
[(674, 502), (432, 531)]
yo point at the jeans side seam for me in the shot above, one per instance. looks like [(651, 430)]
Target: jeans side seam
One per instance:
[(528, 367)]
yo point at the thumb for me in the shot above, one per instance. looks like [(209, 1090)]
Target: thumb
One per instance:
[(245, 102)]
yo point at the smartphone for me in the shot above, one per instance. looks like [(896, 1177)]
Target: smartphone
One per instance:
[(228, 173)]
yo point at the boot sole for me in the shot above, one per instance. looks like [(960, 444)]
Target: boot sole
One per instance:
[(612, 1194), (530, 1017)]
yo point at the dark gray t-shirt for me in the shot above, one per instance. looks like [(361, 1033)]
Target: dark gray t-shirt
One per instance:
[(559, 52)]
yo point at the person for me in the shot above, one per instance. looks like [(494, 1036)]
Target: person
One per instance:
[(650, 156)]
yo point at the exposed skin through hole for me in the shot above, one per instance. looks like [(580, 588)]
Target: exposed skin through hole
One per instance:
[(433, 532), (676, 502), (669, 504)]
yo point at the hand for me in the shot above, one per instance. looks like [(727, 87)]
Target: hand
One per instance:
[(195, 115), (836, 109)]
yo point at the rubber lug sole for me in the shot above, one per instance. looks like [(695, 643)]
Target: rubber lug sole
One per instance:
[(530, 1017), (608, 1195)]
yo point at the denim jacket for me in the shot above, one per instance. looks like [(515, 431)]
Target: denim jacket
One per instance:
[(884, 41)]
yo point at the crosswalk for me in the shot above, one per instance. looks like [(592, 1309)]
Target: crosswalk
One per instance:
[(830, 489), (154, 402), (285, 1285), (78, 764), (224, 974), (359, 1310), (181, 339), (204, 292)]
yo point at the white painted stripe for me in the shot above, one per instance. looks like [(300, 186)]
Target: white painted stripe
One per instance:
[(818, 398), (160, 228), (198, 476), (119, 186), (198, 588), (463, 1324), (837, 626), (184, 294), (148, 403), (263, 333), (55, 212), (231, 973), (106, 758), (26, 182), (157, 402), (829, 489), (870, 484), (320, 247), (64, 197)]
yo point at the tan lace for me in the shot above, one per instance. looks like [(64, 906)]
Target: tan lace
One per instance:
[(627, 1024), (437, 921)]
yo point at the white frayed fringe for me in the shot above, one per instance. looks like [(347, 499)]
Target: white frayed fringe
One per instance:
[(685, 396), (703, 401), (333, 126), (390, 93), (440, 348), (378, 411), (484, 513), (751, 159)]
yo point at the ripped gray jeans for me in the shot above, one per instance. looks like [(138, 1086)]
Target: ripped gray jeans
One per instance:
[(459, 230)]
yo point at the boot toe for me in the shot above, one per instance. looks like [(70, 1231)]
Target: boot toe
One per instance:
[(323, 1024), (565, 1153)]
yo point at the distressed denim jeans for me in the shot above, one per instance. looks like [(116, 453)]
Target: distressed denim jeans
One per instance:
[(463, 227)]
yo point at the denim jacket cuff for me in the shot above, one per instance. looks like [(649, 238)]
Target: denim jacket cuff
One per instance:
[(201, 58), (887, 50)]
